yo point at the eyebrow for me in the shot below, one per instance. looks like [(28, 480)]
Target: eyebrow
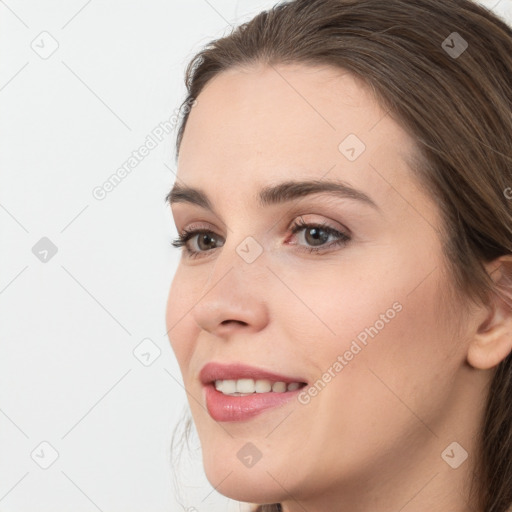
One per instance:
[(275, 194)]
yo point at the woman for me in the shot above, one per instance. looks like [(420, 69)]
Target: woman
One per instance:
[(341, 312)]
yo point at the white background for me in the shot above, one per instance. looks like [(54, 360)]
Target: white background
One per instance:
[(69, 325)]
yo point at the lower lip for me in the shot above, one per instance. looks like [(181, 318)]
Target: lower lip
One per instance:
[(239, 408)]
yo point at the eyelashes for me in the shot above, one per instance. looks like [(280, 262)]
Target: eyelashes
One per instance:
[(313, 229), (186, 235)]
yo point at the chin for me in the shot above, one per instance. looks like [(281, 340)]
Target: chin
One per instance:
[(231, 478), (250, 486)]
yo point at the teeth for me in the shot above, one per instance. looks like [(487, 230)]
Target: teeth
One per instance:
[(262, 386), (279, 387), (249, 386), (245, 386)]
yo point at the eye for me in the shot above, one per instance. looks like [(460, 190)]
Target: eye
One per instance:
[(318, 234), (204, 241), (315, 235)]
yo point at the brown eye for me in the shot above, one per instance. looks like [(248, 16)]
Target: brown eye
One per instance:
[(205, 241), (316, 236)]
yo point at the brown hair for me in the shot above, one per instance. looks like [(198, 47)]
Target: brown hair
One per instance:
[(456, 106)]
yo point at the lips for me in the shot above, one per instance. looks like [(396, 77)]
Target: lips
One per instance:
[(216, 371), (243, 407)]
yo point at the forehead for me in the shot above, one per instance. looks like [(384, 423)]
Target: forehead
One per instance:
[(264, 124)]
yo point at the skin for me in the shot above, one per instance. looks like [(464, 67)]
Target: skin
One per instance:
[(372, 439)]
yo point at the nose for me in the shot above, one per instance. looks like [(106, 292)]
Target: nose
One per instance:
[(235, 296)]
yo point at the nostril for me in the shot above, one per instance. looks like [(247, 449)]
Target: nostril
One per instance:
[(227, 322)]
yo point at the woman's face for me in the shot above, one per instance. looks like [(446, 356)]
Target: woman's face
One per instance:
[(361, 322)]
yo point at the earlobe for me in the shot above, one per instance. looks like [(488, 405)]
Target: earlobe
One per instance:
[(492, 342)]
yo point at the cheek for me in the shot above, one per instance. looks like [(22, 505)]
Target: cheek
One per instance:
[(333, 305), (180, 330), (384, 322), (396, 385), (402, 370)]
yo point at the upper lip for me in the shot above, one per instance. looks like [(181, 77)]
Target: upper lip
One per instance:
[(234, 371)]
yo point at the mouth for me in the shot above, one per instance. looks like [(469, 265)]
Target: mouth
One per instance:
[(244, 387), (238, 392)]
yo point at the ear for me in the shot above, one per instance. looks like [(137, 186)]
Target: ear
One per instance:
[(493, 340)]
